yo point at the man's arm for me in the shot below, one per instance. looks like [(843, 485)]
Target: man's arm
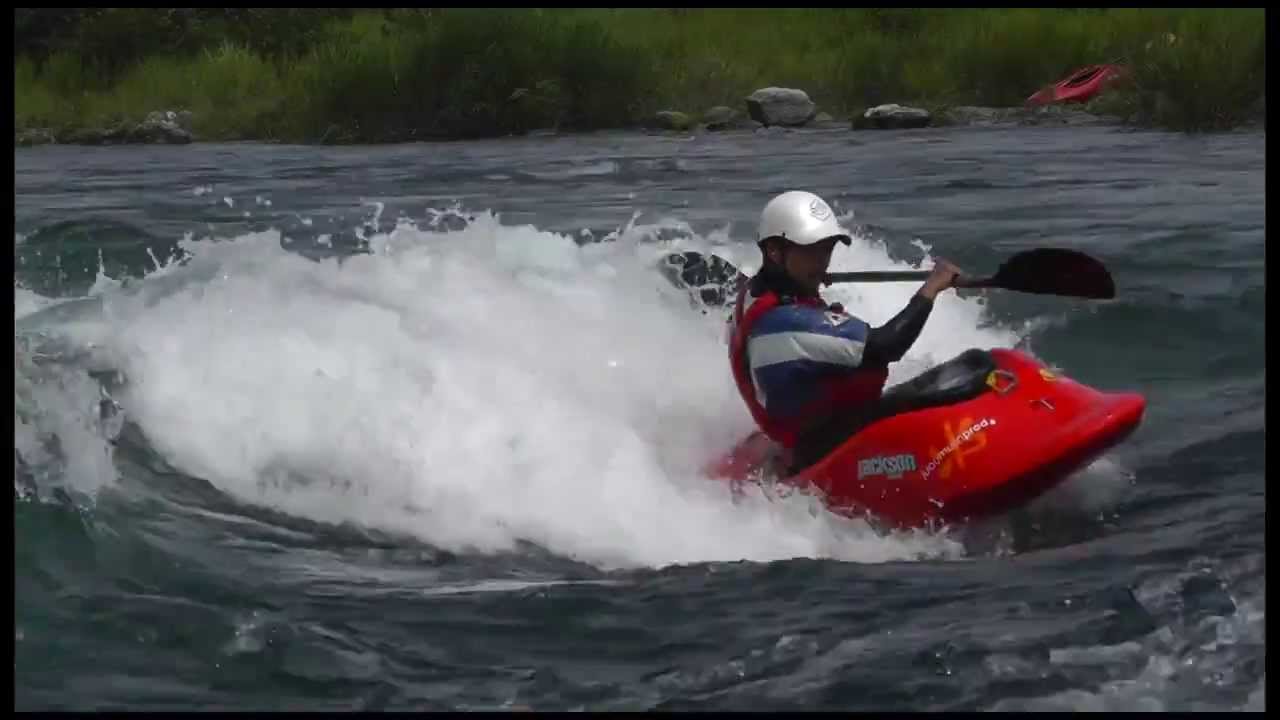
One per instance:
[(889, 342), (801, 336), (795, 340), (792, 345)]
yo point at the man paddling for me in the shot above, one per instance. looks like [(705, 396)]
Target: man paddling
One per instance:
[(804, 366)]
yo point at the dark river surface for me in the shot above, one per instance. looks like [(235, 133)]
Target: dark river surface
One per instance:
[(419, 427)]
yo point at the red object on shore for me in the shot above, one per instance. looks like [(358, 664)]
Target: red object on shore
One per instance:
[(1081, 86), (1019, 430)]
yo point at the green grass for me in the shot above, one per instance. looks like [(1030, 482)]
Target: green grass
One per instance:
[(382, 76)]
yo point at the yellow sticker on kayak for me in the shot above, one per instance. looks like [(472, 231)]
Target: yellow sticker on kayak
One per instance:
[(993, 381), (1047, 375)]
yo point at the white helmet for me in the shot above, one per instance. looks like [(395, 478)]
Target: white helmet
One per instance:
[(801, 217)]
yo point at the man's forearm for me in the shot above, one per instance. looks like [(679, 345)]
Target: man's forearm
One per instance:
[(889, 342)]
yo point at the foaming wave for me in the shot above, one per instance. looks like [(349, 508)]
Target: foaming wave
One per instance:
[(476, 387), (1098, 487), (61, 432), (26, 302), (61, 426)]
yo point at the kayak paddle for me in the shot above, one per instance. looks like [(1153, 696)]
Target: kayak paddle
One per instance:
[(1043, 271)]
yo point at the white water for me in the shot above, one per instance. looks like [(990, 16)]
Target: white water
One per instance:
[(57, 429), (480, 387)]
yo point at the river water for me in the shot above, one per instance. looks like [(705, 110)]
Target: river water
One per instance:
[(419, 427)]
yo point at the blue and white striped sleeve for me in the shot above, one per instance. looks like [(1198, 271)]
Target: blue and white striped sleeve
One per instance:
[(794, 343), (798, 333)]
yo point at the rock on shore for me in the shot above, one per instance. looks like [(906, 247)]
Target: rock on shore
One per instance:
[(787, 107), (892, 116), (168, 128)]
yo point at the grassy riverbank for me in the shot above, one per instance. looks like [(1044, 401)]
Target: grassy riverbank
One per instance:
[(361, 76)]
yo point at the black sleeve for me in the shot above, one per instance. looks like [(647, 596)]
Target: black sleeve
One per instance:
[(889, 342)]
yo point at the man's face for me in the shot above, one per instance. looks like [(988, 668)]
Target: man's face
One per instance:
[(807, 264)]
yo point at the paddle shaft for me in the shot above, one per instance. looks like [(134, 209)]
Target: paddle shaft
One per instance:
[(877, 276), (1040, 271), (900, 275)]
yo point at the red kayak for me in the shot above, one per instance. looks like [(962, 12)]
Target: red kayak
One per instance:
[(976, 436), (1081, 86)]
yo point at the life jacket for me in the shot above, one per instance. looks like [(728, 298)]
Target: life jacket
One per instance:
[(852, 389)]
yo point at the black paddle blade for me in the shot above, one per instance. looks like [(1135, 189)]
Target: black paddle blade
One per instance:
[(710, 278), (1055, 271)]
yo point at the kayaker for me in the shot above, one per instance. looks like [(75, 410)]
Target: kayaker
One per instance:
[(803, 366)]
